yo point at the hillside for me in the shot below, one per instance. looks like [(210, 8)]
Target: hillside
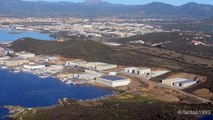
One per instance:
[(205, 25), (175, 41), (97, 8), (88, 50)]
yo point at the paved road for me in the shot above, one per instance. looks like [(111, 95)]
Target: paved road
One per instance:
[(144, 80)]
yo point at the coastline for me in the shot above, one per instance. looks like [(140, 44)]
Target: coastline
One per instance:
[(20, 68), (14, 110), (14, 34)]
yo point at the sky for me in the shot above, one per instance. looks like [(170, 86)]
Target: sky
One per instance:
[(137, 2)]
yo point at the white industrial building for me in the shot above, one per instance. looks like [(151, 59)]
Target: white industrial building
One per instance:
[(112, 43), (87, 75), (113, 81), (75, 63), (113, 73), (33, 66), (4, 57), (137, 70), (53, 69), (179, 82), (9, 51), (99, 66), (49, 58), (25, 55), (156, 73), (91, 65)]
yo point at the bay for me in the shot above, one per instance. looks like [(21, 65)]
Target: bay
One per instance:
[(6, 35), (28, 90)]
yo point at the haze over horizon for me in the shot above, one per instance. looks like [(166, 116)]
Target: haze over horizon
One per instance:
[(138, 2)]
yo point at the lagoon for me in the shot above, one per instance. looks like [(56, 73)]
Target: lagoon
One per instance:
[(6, 35), (28, 90)]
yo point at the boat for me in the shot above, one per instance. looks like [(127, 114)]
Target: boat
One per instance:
[(44, 76), (70, 82), (4, 67), (25, 70), (16, 71)]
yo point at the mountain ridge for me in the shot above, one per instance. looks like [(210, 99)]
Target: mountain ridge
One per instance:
[(98, 8)]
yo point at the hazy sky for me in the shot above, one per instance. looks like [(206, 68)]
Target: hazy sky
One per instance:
[(174, 2)]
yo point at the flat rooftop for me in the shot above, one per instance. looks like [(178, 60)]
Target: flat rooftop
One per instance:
[(137, 68), (112, 78), (176, 79), (187, 81)]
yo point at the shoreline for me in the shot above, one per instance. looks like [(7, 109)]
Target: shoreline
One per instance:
[(12, 31), (13, 110)]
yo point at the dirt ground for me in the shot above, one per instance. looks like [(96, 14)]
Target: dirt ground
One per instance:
[(205, 93)]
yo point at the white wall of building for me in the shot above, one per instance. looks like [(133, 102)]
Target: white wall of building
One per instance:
[(87, 76), (25, 55), (115, 83), (138, 71), (185, 84), (34, 67), (179, 82)]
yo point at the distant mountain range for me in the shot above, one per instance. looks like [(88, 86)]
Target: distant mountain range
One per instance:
[(98, 8)]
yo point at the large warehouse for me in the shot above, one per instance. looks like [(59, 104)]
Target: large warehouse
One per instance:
[(137, 70), (25, 55), (100, 66), (113, 81), (33, 66), (179, 82), (87, 76)]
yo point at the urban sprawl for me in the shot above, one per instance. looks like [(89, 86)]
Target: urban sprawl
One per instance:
[(92, 29)]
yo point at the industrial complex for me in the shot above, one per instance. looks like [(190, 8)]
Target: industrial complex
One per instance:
[(77, 71)]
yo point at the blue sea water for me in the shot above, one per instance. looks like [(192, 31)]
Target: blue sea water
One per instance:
[(28, 90), (6, 36), (207, 117)]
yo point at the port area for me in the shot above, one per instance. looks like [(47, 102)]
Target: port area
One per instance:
[(143, 81), (130, 83)]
